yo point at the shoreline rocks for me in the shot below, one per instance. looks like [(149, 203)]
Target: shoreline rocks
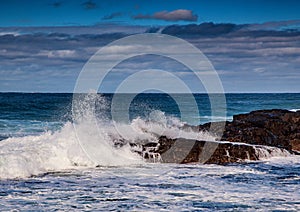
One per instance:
[(208, 152), (248, 136), (277, 128)]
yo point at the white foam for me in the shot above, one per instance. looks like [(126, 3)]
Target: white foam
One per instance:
[(55, 151), (61, 150), (294, 110), (266, 152), (34, 155)]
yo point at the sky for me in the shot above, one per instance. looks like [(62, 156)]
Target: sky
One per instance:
[(140, 12), (254, 45)]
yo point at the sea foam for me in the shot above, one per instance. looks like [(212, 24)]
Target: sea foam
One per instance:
[(55, 151)]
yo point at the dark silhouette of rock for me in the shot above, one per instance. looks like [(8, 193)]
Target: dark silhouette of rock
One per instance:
[(209, 152), (278, 128), (248, 137), (219, 153)]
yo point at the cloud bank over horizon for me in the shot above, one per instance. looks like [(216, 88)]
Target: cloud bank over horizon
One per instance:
[(248, 58)]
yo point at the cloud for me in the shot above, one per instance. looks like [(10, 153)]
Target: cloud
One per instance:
[(204, 29), (88, 5), (56, 4), (275, 25), (175, 15), (112, 16), (259, 70), (245, 59), (58, 53), (93, 31), (233, 30)]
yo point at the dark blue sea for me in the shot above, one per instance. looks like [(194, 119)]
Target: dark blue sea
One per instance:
[(44, 167)]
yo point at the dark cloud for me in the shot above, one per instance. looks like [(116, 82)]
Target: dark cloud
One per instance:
[(56, 4), (175, 15), (112, 16), (152, 30), (204, 29), (75, 30), (232, 30), (89, 5), (275, 25)]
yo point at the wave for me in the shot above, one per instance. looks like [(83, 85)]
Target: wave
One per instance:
[(206, 119), (20, 128), (22, 157), (267, 152), (63, 149), (55, 151), (294, 110)]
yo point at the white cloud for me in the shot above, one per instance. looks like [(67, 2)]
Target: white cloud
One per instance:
[(57, 53), (259, 70), (175, 15)]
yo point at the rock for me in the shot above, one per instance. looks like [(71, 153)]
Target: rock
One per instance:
[(192, 151), (278, 128), (250, 136), (295, 144)]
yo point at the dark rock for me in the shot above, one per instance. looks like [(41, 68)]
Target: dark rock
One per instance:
[(209, 152), (248, 137), (295, 145), (276, 128)]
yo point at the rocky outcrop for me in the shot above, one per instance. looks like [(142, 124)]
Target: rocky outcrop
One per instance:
[(248, 137), (208, 152), (189, 151), (278, 128)]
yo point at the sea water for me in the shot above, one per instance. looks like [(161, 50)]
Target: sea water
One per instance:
[(43, 167)]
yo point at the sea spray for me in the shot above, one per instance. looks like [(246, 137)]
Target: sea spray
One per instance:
[(33, 155), (56, 151), (60, 150), (266, 152)]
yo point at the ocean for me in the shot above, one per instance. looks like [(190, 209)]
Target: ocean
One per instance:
[(43, 167)]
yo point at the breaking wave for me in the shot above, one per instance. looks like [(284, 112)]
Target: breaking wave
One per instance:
[(59, 150)]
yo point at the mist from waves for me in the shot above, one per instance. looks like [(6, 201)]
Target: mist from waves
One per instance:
[(60, 149)]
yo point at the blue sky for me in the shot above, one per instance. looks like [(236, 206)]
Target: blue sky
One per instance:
[(45, 44), (89, 12)]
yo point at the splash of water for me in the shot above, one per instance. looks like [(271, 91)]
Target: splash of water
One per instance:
[(60, 150)]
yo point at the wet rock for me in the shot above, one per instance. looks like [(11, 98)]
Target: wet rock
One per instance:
[(249, 136), (190, 151), (295, 145), (276, 128), (209, 152)]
